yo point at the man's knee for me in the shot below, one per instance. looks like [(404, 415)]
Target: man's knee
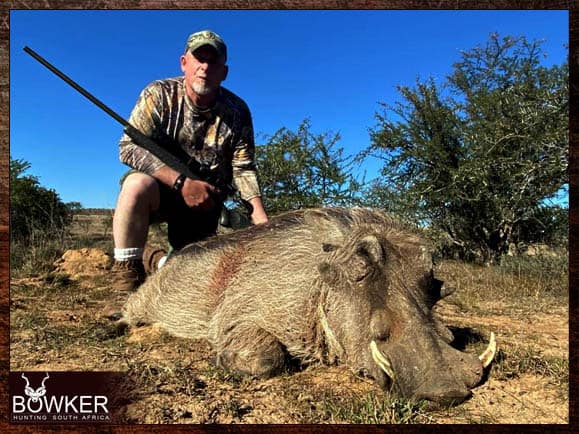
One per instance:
[(141, 190)]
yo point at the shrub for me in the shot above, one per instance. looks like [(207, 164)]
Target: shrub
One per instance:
[(38, 220)]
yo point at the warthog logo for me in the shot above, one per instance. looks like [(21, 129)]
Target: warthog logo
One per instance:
[(35, 394)]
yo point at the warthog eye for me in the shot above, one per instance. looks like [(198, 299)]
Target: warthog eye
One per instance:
[(329, 247)]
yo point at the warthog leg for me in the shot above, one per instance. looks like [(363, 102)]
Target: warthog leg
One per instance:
[(251, 352)]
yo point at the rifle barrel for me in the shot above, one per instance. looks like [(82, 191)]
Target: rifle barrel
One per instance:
[(76, 86)]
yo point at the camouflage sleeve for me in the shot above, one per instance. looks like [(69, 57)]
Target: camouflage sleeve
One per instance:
[(243, 163), (146, 115)]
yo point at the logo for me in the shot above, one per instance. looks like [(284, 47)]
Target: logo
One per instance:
[(35, 395), (60, 397)]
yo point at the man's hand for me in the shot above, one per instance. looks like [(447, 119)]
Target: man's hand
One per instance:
[(198, 194)]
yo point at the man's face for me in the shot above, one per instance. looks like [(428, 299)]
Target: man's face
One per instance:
[(204, 70)]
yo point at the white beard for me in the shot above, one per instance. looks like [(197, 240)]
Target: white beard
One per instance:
[(202, 89)]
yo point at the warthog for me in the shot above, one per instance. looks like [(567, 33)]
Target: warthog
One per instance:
[(330, 285)]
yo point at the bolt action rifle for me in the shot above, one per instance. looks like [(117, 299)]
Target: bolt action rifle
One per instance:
[(162, 146)]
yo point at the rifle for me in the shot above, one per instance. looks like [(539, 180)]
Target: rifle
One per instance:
[(174, 159)]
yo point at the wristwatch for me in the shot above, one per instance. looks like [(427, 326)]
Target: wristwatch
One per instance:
[(178, 185)]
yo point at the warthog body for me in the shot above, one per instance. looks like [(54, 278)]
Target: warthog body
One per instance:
[(324, 285)]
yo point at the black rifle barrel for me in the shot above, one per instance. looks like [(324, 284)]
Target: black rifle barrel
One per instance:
[(76, 86)]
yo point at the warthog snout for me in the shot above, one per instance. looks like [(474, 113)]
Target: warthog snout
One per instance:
[(443, 395)]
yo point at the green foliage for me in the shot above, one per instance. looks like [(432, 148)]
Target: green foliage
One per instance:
[(546, 225), (302, 170), (38, 219), (33, 207), (73, 207), (477, 157)]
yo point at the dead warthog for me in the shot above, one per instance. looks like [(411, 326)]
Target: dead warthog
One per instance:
[(331, 285)]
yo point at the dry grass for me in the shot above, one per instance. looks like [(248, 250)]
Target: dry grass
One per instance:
[(527, 283)]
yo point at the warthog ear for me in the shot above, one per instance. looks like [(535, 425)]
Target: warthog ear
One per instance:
[(371, 249), (368, 255)]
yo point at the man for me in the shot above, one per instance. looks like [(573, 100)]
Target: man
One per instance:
[(213, 126)]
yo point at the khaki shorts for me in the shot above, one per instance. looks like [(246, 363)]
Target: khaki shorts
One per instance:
[(184, 224)]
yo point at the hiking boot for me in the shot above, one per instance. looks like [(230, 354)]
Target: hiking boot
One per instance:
[(114, 305), (128, 275), (152, 258)]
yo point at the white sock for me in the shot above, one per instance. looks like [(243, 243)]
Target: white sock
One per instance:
[(162, 262), (129, 253)]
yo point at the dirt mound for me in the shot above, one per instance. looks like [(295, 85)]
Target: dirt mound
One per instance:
[(83, 262)]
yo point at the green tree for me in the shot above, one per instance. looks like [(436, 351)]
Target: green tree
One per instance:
[(33, 207), (73, 207), (476, 158), (546, 225), (302, 170)]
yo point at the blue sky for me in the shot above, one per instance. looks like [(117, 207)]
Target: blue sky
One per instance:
[(332, 67)]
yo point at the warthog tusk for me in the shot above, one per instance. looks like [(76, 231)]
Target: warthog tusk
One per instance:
[(381, 360), (489, 354)]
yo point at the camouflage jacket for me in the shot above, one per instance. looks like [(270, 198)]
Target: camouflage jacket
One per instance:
[(221, 137)]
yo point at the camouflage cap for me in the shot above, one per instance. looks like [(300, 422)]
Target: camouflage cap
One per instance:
[(206, 37)]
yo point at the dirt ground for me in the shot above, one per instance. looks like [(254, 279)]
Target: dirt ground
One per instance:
[(56, 326)]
